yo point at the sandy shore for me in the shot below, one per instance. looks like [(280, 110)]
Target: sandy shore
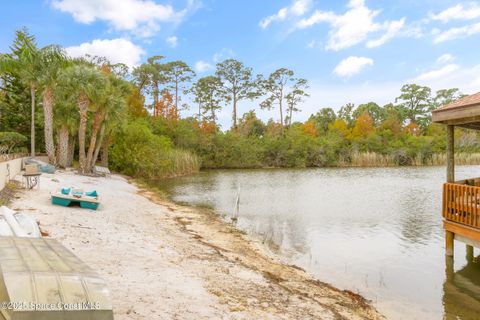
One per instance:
[(165, 261)]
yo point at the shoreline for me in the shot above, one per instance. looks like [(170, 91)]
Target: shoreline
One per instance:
[(162, 260)]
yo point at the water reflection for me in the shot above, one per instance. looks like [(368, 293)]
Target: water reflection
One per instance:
[(376, 231), (416, 221), (461, 290)]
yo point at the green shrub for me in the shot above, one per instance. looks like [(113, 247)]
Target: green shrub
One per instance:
[(10, 140), (137, 152)]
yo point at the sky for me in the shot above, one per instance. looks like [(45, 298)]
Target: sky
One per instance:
[(350, 51)]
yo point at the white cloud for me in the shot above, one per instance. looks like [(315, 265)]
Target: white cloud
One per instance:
[(202, 66), (172, 41), (351, 66), (466, 78), (141, 17), (334, 95), (456, 33), (458, 12), (352, 27), (437, 73), (115, 50), (445, 58), (393, 28), (298, 8)]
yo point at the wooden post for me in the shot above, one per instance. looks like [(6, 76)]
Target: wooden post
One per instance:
[(450, 154), (469, 253), (449, 268), (449, 236)]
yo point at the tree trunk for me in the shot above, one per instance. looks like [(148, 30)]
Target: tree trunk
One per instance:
[(71, 150), (155, 99), (281, 114), (105, 144), (82, 129), (48, 120), (234, 111), (32, 132), (280, 105), (97, 123), (63, 147), (98, 145), (290, 116), (176, 97)]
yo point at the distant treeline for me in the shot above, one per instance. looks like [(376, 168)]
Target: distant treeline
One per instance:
[(89, 109)]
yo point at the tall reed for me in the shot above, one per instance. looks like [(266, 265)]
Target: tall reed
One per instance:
[(373, 159), (183, 162)]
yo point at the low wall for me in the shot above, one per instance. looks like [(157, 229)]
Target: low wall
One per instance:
[(9, 169), (12, 164)]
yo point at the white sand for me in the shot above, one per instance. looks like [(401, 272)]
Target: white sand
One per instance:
[(163, 261)]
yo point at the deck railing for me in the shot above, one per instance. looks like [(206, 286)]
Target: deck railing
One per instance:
[(461, 204)]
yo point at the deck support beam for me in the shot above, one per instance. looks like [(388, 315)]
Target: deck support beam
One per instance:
[(449, 236), (450, 153)]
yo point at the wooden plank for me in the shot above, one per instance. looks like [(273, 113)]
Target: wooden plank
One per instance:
[(444, 201), (462, 230), (461, 212), (456, 203), (470, 206), (454, 199), (459, 115), (475, 210), (467, 206)]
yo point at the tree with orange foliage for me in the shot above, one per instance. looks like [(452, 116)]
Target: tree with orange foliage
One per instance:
[(165, 107), (413, 129), (208, 127), (309, 129), (363, 126)]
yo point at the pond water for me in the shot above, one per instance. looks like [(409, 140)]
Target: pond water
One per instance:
[(375, 231)]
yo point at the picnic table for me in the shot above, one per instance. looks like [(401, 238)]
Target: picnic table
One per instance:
[(31, 180), (31, 177)]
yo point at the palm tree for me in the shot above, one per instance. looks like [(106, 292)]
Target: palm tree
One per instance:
[(110, 105), (53, 61), (25, 64), (66, 125), (85, 83)]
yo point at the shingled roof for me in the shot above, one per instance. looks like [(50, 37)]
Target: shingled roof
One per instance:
[(463, 102), (464, 112)]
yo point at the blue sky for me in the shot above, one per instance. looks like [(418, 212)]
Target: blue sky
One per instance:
[(349, 51)]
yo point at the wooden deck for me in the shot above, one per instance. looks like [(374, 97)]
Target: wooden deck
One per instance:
[(461, 198), (461, 213)]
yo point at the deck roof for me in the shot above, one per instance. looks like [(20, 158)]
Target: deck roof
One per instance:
[(464, 112)]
